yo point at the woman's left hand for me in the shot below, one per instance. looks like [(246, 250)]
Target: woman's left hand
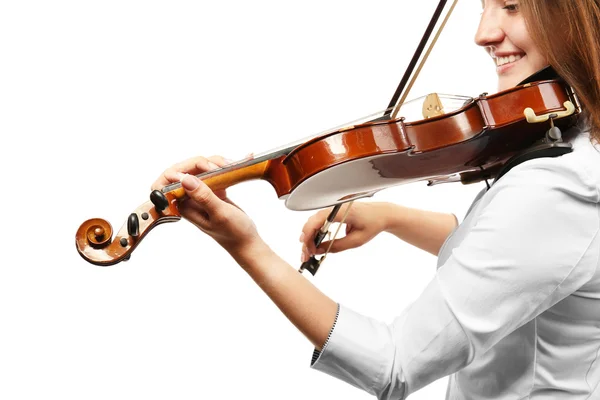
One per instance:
[(212, 212)]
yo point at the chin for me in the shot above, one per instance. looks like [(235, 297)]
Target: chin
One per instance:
[(512, 78), (508, 83)]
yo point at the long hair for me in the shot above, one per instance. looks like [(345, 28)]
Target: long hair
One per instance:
[(568, 33)]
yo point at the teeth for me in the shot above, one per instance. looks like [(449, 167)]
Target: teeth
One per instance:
[(509, 59)]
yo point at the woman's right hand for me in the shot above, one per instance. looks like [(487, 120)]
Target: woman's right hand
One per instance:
[(363, 222)]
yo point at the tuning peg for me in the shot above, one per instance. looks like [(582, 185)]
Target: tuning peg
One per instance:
[(159, 200), (133, 225)]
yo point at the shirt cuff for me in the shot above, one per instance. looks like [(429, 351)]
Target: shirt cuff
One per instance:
[(316, 352), (357, 352)]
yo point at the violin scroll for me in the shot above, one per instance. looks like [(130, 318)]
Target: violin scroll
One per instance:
[(97, 231), (94, 238)]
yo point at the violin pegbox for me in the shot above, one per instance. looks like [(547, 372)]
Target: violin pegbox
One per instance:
[(94, 238)]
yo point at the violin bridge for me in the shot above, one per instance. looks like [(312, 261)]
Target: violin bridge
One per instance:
[(432, 106)]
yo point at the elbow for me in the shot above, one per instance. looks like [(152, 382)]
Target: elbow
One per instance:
[(395, 388)]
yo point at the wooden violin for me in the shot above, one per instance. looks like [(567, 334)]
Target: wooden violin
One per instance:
[(468, 144)]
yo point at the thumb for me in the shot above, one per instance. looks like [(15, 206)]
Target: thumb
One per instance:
[(199, 192)]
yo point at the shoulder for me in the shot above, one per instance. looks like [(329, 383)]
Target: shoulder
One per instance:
[(548, 204), (539, 219), (573, 177)]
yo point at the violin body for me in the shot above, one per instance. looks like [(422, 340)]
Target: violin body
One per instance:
[(473, 142)]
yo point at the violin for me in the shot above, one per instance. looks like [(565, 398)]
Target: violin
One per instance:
[(476, 141)]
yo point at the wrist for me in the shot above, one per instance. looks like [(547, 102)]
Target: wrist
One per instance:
[(390, 216), (249, 252)]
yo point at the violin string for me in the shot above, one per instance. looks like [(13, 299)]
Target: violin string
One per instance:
[(277, 152), (286, 149)]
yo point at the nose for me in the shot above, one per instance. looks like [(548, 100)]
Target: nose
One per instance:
[(490, 30)]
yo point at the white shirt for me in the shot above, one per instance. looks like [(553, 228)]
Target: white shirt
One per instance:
[(513, 311)]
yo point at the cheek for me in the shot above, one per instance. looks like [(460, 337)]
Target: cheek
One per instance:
[(523, 40), (538, 62)]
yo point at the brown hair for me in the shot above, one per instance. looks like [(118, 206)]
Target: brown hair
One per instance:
[(568, 32)]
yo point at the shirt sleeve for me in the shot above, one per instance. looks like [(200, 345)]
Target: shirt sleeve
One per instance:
[(522, 255)]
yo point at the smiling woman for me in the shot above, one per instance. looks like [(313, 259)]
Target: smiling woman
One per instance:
[(103, 96), (512, 311)]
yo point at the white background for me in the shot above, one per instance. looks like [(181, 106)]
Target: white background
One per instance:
[(98, 98)]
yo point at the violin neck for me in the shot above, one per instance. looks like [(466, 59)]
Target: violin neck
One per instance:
[(237, 172), (229, 176)]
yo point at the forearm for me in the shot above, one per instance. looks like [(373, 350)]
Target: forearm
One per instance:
[(426, 230), (303, 304)]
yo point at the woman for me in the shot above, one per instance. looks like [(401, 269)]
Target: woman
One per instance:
[(514, 309)]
